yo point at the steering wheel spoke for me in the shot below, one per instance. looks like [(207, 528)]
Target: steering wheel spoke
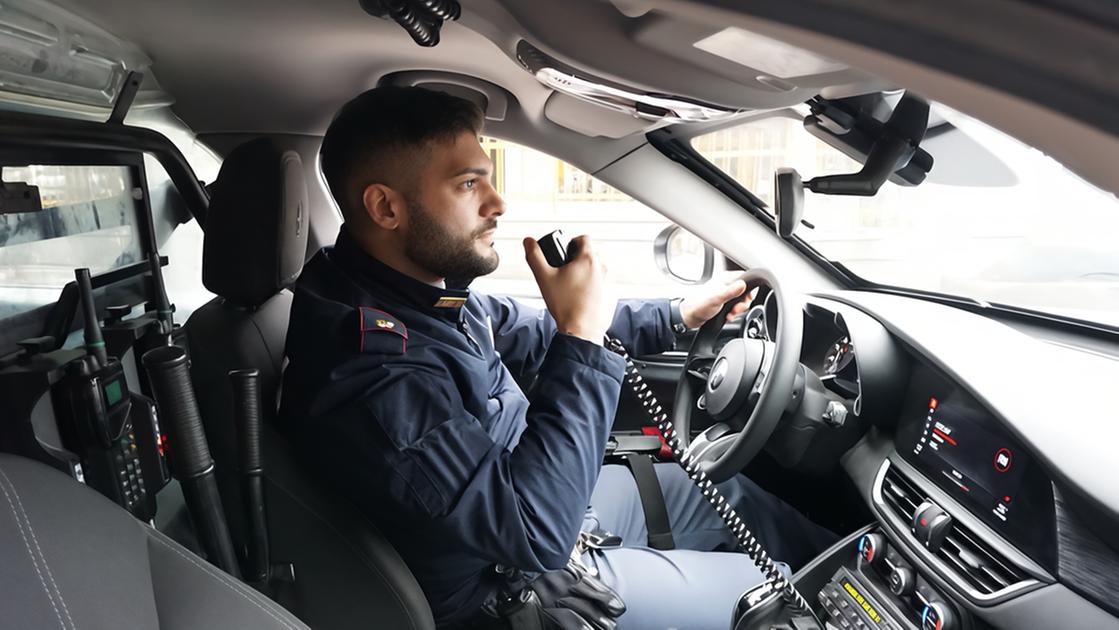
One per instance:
[(713, 442), (700, 367), (769, 351)]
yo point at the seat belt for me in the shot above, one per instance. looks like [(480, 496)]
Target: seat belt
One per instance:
[(652, 500)]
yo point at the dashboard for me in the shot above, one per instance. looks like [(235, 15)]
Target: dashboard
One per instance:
[(993, 488)]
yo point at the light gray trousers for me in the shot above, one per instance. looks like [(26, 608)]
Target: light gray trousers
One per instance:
[(697, 585)]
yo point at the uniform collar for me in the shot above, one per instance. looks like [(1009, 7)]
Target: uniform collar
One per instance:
[(394, 285)]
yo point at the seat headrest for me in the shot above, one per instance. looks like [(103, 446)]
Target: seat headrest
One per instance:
[(256, 226)]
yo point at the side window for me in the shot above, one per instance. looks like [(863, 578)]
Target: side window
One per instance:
[(543, 193), (89, 219)]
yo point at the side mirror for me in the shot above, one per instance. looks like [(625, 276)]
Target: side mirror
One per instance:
[(684, 256), (788, 200)]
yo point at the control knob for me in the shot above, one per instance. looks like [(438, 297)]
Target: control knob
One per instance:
[(902, 580), (872, 548), (936, 616)]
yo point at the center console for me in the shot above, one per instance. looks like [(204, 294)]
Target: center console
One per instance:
[(965, 522), (876, 587)]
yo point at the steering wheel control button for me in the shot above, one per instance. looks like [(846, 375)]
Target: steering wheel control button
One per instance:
[(902, 581), (1003, 459)]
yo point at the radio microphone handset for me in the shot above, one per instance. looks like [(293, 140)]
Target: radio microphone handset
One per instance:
[(554, 247)]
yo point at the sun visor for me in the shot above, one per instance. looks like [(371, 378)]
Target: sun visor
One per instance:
[(590, 119)]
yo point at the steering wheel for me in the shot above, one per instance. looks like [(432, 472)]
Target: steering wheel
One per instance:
[(747, 384)]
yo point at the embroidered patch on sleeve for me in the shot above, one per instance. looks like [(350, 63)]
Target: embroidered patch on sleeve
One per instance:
[(381, 332)]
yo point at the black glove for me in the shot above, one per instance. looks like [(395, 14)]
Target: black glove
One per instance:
[(572, 599)]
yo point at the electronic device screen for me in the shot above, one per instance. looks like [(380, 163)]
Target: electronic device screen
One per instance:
[(113, 392), (113, 389), (957, 443)]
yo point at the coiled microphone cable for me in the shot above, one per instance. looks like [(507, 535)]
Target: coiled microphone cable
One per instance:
[(745, 538)]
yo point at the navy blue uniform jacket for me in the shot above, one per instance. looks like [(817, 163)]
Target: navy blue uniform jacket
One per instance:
[(406, 395)]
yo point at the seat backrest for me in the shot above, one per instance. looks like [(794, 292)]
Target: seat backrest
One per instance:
[(255, 243), (73, 559)]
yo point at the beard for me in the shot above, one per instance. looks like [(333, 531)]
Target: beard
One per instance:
[(452, 256)]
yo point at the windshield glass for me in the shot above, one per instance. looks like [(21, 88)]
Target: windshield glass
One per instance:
[(996, 220)]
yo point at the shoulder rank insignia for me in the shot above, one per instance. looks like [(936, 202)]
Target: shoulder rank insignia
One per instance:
[(374, 324), (449, 301)]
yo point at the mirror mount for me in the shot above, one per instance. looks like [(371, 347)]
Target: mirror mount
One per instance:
[(886, 141), (892, 151), (897, 143)]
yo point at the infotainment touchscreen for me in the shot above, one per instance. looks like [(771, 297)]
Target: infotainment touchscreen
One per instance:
[(948, 435)]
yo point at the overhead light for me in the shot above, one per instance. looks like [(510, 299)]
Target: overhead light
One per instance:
[(773, 57), (653, 107)]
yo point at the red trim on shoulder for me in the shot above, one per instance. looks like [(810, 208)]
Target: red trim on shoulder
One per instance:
[(380, 321), (386, 322)]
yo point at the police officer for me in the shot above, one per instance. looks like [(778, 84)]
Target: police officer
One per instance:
[(402, 385)]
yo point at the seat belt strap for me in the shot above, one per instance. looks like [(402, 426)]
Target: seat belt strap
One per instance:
[(652, 500)]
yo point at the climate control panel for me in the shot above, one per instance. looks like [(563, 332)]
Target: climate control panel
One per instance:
[(878, 588)]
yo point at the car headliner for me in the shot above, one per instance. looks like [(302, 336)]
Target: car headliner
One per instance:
[(284, 66)]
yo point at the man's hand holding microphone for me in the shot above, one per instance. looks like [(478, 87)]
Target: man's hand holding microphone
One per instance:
[(576, 293)]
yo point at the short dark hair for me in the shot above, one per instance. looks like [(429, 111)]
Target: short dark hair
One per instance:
[(381, 131)]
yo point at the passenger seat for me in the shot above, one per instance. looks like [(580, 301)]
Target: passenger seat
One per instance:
[(73, 559), (347, 575)]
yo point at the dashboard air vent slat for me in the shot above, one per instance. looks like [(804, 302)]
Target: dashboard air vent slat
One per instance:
[(984, 568), (968, 567), (902, 496)]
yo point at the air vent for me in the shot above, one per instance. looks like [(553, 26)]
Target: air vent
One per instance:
[(983, 568), (901, 495), (972, 561)]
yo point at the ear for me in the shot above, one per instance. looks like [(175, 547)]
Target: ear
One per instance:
[(383, 206)]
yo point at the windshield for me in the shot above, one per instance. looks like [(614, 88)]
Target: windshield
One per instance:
[(1017, 229)]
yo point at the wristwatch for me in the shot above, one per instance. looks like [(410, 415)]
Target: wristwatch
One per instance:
[(675, 318)]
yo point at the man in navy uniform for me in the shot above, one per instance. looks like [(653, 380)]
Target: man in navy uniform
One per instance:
[(402, 386)]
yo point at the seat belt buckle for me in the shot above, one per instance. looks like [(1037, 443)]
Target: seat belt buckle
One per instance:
[(590, 540), (587, 542)]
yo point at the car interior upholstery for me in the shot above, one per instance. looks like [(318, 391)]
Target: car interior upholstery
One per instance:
[(161, 190)]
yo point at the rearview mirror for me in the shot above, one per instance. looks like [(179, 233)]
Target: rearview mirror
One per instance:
[(684, 256)]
